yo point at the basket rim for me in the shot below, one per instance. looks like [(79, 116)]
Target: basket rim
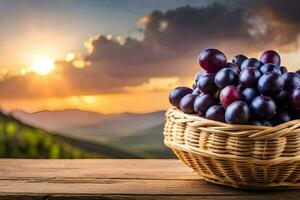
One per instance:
[(199, 118), (251, 131)]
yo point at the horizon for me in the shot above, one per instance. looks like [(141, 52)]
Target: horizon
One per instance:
[(114, 57)]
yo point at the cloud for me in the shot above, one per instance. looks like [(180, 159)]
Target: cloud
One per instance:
[(169, 47)]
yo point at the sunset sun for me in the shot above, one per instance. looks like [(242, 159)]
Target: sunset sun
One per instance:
[(42, 65)]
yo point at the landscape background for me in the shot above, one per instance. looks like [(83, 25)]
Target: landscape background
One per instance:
[(90, 78)]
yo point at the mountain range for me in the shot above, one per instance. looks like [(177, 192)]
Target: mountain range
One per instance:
[(138, 134)]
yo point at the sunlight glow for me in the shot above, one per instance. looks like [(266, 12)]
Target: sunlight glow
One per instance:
[(42, 65)]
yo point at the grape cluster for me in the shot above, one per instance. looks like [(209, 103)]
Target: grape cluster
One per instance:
[(250, 91)]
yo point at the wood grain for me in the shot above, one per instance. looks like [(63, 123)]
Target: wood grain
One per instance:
[(114, 179)]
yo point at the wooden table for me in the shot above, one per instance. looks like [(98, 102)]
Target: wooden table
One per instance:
[(115, 179)]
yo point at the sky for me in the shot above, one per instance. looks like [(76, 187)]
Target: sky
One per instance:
[(113, 56)]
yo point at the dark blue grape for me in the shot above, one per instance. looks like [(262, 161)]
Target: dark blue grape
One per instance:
[(264, 107), (249, 77), (237, 113), (187, 103), (270, 83), (249, 94), (226, 77), (177, 94), (291, 81), (251, 62), (203, 103), (206, 84), (269, 68), (216, 113), (239, 59)]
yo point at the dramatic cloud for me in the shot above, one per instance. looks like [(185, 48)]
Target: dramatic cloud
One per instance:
[(169, 47)]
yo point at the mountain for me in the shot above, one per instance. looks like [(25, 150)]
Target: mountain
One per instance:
[(19, 140), (139, 134), (57, 119)]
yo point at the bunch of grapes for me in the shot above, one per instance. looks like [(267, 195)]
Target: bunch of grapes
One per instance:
[(245, 91)]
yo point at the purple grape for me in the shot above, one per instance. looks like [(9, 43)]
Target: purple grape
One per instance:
[(295, 99), (291, 81), (270, 83), (281, 99), (177, 94), (298, 72), (187, 103), (249, 94), (216, 113), (226, 77), (269, 68), (270, 56), (233, 67), (263, 107), (281, 116), (249, 77), (198, 75), (251, 62), (212, 60), (283, 69), (206, 84), (239, 59), (229, 95), (203, 103), (237, 113), (196, 91)]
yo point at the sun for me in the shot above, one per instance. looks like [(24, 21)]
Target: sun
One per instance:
[(42, 65)]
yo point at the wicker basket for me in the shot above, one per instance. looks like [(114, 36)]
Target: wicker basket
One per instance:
[(241, 156)]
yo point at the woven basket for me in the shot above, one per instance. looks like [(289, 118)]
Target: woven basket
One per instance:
[(241, 156)]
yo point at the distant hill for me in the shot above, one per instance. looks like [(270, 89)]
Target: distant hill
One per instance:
[(139, 134), (19, 140)]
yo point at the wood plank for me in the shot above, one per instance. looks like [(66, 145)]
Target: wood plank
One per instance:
[(114, 179)]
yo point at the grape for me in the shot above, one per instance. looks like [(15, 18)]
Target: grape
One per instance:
[(269, 68), (263, 107), (239, 59), (249, 77), (291, 81), (206, 84), (196, 91), (295, 99), (187, 103), (281, 99), (281, 116), (251, 62), (177, 94), (230, 94), (298, 72), (212, 60), (249, 94), (270, 83), (226, 77), (203, 103), (198, 75), (237, 113), (216, 113), (283, 69), (254, 123), (270, 56), (233, 67)]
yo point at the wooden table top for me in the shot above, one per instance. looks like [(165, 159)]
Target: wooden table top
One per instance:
[(115, 179)]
